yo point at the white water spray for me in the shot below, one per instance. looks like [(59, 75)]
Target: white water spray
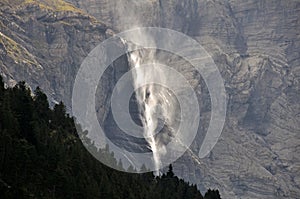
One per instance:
[(148, 102), (158, 107)]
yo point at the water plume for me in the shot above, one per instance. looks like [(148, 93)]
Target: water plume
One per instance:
[(156, 104), (147, 103)]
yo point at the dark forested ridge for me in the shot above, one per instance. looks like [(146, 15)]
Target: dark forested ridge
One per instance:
[(41, 156)]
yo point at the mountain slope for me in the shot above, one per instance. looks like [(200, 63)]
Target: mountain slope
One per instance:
[(44, 42), (255, 45)]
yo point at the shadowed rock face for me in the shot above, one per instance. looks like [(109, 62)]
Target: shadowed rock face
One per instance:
[(255, 45)]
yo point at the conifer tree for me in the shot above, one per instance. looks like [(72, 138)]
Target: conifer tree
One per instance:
[(43, 159)]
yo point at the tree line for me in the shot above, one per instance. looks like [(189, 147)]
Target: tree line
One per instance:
[(41, 156)]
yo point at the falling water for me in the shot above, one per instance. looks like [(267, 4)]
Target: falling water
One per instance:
[(158, 106), (147, 104)]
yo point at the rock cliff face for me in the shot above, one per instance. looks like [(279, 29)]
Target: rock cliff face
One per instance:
[(44, 43), (255, 44)]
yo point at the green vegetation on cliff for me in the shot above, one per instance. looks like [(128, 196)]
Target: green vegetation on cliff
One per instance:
[(54, 5)]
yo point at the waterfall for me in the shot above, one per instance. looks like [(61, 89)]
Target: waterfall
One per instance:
[(158, 107), (147, 103)]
